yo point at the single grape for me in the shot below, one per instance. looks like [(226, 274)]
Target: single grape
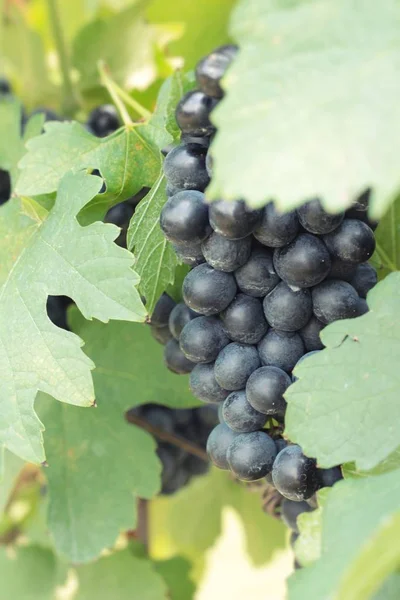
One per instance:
[(276, 229), (234, 365), (281, 349), (57, 311), (5, 186), (365, 278), (159, 417), (218, 443), (315, 219), (184, 218), (362, 307), (204, 386), (328, 477), (162, 310), (239, 415), (120, 214), (195, 465), (185, 167), (224, 254), (176, 482), (207, 417), (257, 277), (310, 334), (265, 388), (361, 215), (290, 510), (294, 475), (208, 291), (333, 300), (303, 263), (202, 339), (103, 120), (5, 86), (251, 455), (341, 270), (287, 310), (233, 220), (193, 113), (190, 254), (280, 444), (243, 321), (210, 70), (353, 241), (179, 316), (175, 360), (161, 334)]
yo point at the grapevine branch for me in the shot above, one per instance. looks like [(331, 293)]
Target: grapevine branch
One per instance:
[(165, 436)]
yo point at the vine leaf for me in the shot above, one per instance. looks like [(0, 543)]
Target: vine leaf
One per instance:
[(361, 522), (33, 568), (56, 257), (95, 456), (174, 517), (122, 573), (387, 254), (156, 261), (335, 409), (302, 111), (308, 545), (127, 160)]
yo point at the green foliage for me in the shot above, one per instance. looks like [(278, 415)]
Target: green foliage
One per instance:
[(55, 257), (387, 255), (32, 574), (335, 409), (205, 25), (175, 572), (302, 101), (210, 494), (360, 541), (122, 576), (308, 545)]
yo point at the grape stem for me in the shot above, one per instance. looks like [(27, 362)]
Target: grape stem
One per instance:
[(165, 436), (70, 101)]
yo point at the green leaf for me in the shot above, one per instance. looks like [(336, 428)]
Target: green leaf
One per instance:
[(125, 41), (23, 51), (129, 365), (127, 160), (122, 575), (33, 574), (205, 25), (173, 516), (308, 545), (98, 465), (156, 260), (335, 410), (55, 257), (390, 589), (360, 541), (387, 254), (302, 111), (390, 463), (175, 572), (12, 465), (12, 146)]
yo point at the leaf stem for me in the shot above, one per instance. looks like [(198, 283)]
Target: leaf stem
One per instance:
[(165, 436), (141, 110), (70, 101), (112, 90)]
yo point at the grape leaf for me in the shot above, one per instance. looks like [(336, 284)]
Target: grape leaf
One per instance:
[(308, 545), (156, 261), (360, 541), (125, 41), (205, 25), (121, 575), (129, 364), (303, 112), (387, 254), (176, 574), (12, 146), (98, 465), (335, 408), (390, 589), (173, 516), (55, 257), (127, 160), (33, 574)]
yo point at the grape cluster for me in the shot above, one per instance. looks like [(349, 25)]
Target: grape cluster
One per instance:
[(178, 465), (262, 286)]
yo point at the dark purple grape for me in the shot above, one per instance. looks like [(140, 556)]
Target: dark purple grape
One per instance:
[(208, 291), (310, 334), (224, 254), (353, 241), (175, 360), (103, 120), (251, 455), (290, 510), (193, 113), (184, 218), (364, 279), (315, 219), (204, 386), (211, 69), (257, 277), (161, 334), (286, 309), (239, 415), (234, 220), (162, 310), (265, 388), (243, 321), (179, 317), (328, 477), (234, 365), (333, 300), (276, 229), (202, 339), (218, 443), (190, 254), (281, 349), (295, 475), (304, 262), (185, 167)]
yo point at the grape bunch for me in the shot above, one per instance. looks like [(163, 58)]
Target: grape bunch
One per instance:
[(262, 286), (178, 464)]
